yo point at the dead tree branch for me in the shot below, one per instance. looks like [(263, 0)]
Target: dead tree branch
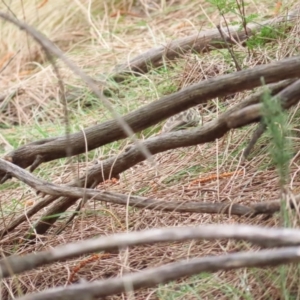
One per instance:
[(99, 135), (46, 150), (71, 194), (116, 198), (56, 191), (288, 97), (200, 42), (266, 237), (196, 93), (255, 137), (115, 165), (173, 271)]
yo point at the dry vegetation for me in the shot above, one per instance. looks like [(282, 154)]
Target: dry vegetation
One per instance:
[(97, 36)]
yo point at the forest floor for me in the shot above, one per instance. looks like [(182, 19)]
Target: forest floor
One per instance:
[(97, 38)]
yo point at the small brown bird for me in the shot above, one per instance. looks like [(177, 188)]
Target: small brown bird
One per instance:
[(187, 118), (183, 120)]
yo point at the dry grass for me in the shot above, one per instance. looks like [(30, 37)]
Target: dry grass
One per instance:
[(97, 39)]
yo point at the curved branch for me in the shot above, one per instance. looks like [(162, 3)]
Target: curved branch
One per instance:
[(99, 135), (267, 237), (154, 276), (201, 42), (114, 166), (288, 97), (72, 193)]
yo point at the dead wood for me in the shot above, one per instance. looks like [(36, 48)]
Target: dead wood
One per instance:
[(116, 198), (164, 273), (33, 154), (265, 237), (154, 276), (200, 42), (45, 150), (288, 97), (24, 217), (134, 201), (112, 167)]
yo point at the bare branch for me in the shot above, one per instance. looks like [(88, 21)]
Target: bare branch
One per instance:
[(99, 135), (289, 97), (201, 42), (135, 201), (24, 217), (115, 165), (173, 271), (255, 137), (267, 237), (154, 276)]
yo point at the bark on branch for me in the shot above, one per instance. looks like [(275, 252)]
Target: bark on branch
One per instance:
[(33, 154), (49, 149), (288, 97), (134, 201), (266, 237), (44, 150), (115, 165), (154, 276), (201, 42)]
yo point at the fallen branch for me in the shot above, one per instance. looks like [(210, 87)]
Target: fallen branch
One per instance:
[(112, 167), (255, 137), (45, 150), (154, 276), (116, 198), (266, 237), (198, 43), (35, 153), (288, 97)]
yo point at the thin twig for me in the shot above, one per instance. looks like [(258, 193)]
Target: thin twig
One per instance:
[(237, 66)]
